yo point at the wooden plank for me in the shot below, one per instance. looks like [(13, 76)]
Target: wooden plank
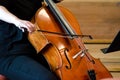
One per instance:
[(110, 60), (113, 67), (95, 50), (116, 75), (97, 41)]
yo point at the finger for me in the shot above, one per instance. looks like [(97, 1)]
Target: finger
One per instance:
[(23, 29), (30, 27)]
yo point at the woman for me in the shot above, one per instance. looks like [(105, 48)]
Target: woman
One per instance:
[(18, 59)]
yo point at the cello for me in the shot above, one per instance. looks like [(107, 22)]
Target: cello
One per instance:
[(58, 39)]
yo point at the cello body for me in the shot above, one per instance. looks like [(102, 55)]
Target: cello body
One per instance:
[(67, 58)]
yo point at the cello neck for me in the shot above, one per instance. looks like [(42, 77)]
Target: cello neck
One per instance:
[(60, 18)]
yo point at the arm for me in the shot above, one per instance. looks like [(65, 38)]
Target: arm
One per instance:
[(8, 17)]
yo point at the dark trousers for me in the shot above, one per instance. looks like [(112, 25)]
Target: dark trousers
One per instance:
[(24, 68)]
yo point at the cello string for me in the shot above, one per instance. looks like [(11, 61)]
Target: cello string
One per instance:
[(64, 35), (89, 65), (74, 37)]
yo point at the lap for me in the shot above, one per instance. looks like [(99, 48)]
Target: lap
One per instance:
[(25, 68)]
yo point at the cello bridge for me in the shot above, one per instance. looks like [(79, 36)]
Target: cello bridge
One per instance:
[(80, 53)]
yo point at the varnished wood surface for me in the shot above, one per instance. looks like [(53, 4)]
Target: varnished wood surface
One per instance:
[(101, 20)]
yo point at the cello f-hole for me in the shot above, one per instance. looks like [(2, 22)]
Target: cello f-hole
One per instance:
[(70, 65)]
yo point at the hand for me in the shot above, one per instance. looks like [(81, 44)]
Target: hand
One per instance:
[(7, 16), (24, 24)]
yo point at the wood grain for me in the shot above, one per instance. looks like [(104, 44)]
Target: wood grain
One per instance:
[(99, 19)]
